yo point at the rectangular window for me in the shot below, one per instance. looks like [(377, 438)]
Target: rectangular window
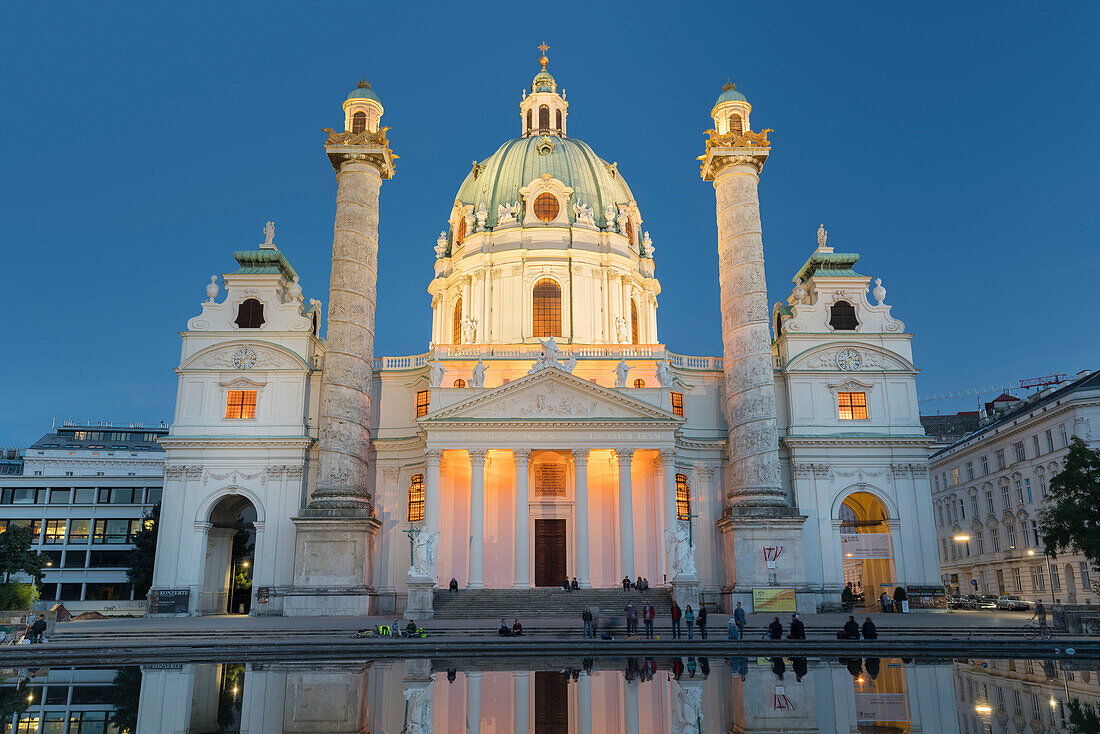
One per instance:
[(955, 475), (1038, 581), (114, 531), (974, 505), (1062, 434), (939, 512), (1084, 574), (84, 496), (423, 398), (1019, 448), (1010, 533), (981, 543), (75, 559), (969, 470), (55, 532), (109, 559), (1035, 445), (78, 530), (1042, 486), (155, 493), (678, 403), (1035, 532), (59, 496), (1055, 579), (683, 498), (989, 500), (1005, 500), (944, 541), (1050, 440), (1027, 489), (71, 592), (962, 510), (852, 406), (1000, 458), (996, 540), (107, 592), (240, 405), (985, 465), (1017, 580), (1019, 491), (416, 498)]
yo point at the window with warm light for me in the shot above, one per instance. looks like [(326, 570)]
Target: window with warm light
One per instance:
[(852, 406), (546, 308), (460, 382), (55, 532), (683, 498), (639, 382), (735, 125), (456, 323), (423, 397), (678, 403), (240, 404), (416, 498), (528, 120), (546, 207), (558, 120), (544, 118), (629, 231), (359, 122), (250, 314), (633, 323), (460, 230)]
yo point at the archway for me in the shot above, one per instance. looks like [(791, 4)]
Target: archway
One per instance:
[(866, 550), (1071, 584), (230, 557)]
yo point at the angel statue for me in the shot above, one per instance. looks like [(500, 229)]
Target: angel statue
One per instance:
[(482, 216), (664, 374), (583, 214), (549, 357), (609, 217), (507, 213), (621, 372), (478, 377), (423, 553), (681, 555), (441, 245), (647, 246)]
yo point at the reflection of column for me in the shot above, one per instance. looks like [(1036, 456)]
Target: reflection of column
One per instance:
[(477, 518), (580, 514), (520, 687), (626, 513), (473, 703), (630, 707), (520, 577), (584, 704)]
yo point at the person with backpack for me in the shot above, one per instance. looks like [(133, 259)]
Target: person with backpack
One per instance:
[(677, 633), (631, 619)]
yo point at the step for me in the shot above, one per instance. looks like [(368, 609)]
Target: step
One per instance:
[(539, 602)]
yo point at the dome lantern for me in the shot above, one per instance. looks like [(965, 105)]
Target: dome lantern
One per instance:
[(543, 111), (731, 111), (362, 109)]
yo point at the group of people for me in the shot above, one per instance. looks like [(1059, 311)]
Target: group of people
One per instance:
[(851, 630), (642, 584), (570, 585), (36, 629), (516, 630), (775, 629)]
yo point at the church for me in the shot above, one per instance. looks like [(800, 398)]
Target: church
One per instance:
[(547, 433)]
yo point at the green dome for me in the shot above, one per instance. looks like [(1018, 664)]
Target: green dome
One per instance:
[(730, 95), (363, 91), (543, 82), (521, 160)]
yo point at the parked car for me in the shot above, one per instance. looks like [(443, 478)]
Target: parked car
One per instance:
[(1011, 603), (986, 602)]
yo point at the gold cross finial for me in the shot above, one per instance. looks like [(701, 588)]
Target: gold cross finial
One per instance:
[(543, 48)]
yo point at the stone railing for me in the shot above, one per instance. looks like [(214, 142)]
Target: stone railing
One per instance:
[(533, 351)]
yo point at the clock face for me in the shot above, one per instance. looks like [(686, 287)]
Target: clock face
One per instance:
[(244, 358), (848, 360)]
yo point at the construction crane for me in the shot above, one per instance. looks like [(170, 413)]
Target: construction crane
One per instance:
[(1008, 387)]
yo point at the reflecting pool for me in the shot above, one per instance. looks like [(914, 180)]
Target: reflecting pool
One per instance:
[(556, 696)]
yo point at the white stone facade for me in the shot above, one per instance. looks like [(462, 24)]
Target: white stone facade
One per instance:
[(991, 487)]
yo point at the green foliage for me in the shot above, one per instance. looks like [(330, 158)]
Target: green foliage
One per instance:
[(144, 553), (15, 596), (16, 556), (1072, 518), (124, 695), (1083, 718), (13, 701), (900, 594)]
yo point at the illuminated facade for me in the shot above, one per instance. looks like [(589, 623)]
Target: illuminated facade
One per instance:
[(547, 432)]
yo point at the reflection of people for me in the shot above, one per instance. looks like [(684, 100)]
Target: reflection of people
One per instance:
[(800, 668)]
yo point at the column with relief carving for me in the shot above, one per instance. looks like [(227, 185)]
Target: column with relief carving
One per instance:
[(759, 512)]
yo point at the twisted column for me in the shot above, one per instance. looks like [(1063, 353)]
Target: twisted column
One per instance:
[(349, 353)]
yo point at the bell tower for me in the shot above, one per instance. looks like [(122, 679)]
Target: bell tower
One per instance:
[(543, 111)]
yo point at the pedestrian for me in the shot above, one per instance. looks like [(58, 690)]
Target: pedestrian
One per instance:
[(851, 629), (586, 617), (648, 613), (775, 630), (677, 633), (631, 619), (454, 584), (739, 620), (870, 632), (887, 602), (798, 629), (734, 632), (1040, 613), (689, 618), (701, 620), (37, 629)]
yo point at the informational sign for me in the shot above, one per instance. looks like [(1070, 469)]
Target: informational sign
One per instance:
[(926, 597), (263, 594), (877, 708), (865, 546), (773, 600), (549, 480), (169, 601)]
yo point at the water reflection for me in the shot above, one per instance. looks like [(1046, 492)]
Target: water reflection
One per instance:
[(552, 696)]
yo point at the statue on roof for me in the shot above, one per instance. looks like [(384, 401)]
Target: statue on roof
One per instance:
[(622, 370), (822, 236), (441, 245), (269, 237)]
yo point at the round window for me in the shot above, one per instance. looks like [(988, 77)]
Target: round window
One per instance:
[(547, 207), (639, 383)]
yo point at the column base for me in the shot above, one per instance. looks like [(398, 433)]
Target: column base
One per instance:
[(332, 564), (521, 585), (746, 532), (421, 601), (685, 590)]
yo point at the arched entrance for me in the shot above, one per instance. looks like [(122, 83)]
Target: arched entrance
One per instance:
[(866, 549), (1071, 584), (230, 551)]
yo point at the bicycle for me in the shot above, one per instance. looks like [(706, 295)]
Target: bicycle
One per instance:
[(1033, 631)]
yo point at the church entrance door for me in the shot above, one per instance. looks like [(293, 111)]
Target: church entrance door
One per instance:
[(549, 552)]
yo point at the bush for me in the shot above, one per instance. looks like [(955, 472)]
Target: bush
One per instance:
[(15, 596), (899, 594)]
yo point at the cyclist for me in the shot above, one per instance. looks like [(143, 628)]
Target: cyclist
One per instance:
[(1040, 614)]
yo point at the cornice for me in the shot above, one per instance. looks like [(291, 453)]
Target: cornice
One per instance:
[(197, 442), (833, 441), (978, 440)]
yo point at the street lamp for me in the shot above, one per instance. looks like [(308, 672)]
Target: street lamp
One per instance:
[(983, 709), (1050, 573)]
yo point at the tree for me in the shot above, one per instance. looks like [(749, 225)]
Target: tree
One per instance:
[(144, 553), (16, 556), (123, 695), (1083, 718), (1071, 521)]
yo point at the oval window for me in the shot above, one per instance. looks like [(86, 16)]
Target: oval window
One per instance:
[(547, 207)]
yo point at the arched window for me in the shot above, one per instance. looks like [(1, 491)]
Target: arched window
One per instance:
[(359, 122), (547, 207), (460, 382), (683, 498), (544, 118), (842, 317), (634, 323), (630, 231), (639, 382), (778, 325), (528, 120), (456, 324), (250, 314), (416, 498), (735, 125), (546, 308), (559, 120), (460, 231)]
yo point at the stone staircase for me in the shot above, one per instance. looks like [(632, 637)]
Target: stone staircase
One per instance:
[(543, 602)]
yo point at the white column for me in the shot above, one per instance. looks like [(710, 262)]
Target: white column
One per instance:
[(584, 704), (473, 703), (606, 322), (198, 568), (486, 306), (431, 490), (477, 518), (630, 707), (580, 514), (521, 578), (626, 514), (667, 459), (263, 571), (520, 687)]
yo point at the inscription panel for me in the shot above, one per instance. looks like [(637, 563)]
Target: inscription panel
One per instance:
[(549, 480)]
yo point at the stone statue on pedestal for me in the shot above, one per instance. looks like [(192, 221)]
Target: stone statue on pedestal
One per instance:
[(423, 553), (621, 372), (681, 554), (478, 377)]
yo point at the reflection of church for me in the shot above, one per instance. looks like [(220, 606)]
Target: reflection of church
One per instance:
[(547, 432)]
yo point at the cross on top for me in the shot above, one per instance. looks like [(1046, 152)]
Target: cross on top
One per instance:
[(542, 59)]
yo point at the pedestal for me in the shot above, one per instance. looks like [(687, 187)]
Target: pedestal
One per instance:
[(746, 533), (685, 590), (332, 564), (421, 599)]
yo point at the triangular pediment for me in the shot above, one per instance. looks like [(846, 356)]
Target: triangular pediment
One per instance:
[(551, 394)]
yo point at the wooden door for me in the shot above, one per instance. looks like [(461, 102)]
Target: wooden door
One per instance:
[(551, 700), (549, 552)]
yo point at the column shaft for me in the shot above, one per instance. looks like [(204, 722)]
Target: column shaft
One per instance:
[(626, 513), (521, 578), (477, 518), (630, 707), (667, 459), (431, 490), (580, 514)]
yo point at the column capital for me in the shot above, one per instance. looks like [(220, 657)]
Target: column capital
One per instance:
[(434, 457), (477, 456), (580, 456), (625, 455), (667, 456), (521, 455)]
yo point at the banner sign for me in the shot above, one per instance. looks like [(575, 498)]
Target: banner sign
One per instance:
[(926, 597), (169, 601), (865, 546), (773, 600)]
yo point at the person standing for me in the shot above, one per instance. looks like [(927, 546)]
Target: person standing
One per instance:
[(733, 631), (701, 620), (648, 613), (1040, 613), (677, 633), (631, 619), (689, 618), (739, 620), (586, 617)]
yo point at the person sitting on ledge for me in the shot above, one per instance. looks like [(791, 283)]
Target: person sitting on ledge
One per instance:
[(870, 631), (517, 629), (798, 629), (573, 584), (850, 630), (626, 583), (565, 584), (504, 630), (410, 629), (638, 584), (775, 630), (454, 584)]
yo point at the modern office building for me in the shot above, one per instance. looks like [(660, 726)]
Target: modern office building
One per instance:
[(989, 488), (84, 489)]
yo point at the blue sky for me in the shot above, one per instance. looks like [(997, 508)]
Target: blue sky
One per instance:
[(954, 145)]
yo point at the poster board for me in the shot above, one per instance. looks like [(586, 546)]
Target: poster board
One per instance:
[(767, 601)]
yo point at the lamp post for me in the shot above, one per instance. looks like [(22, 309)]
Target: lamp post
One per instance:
[(1050, 573), (960, 538)]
